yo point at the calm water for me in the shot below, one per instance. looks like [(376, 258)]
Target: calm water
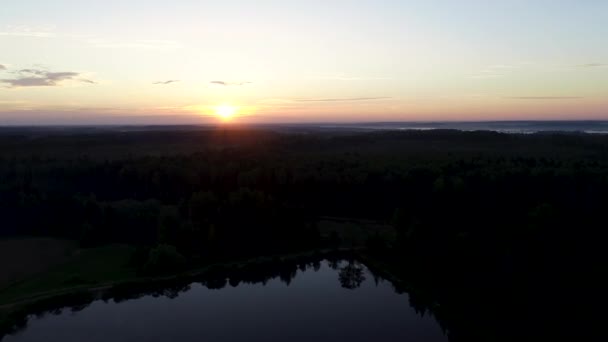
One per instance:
[(520, 127), (329, 301)]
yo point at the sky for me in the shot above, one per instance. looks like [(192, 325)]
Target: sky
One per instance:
[(181, 61)]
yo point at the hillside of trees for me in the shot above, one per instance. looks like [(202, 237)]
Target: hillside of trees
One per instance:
[(503, 231)]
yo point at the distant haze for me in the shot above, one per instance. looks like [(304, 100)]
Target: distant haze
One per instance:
[(158, 62)]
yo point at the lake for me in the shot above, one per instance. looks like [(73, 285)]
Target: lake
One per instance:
[(318, 301)]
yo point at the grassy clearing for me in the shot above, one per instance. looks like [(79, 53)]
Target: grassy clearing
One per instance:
[(57, 266), (24, 257), (85, 268)]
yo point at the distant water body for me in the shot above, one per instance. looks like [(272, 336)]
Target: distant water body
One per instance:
[(517, 127)]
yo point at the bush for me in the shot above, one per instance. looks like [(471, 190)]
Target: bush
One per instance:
[(164, 259)]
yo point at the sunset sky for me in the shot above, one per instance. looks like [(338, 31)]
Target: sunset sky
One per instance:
[(117, 62)]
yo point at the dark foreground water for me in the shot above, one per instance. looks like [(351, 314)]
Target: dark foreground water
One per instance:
[(327, 301)]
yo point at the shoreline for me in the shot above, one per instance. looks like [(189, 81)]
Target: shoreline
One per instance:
[(14, 314)]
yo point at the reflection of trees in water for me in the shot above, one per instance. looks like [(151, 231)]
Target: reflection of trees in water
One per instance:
[(216, 283), (234, 282), (419, 304), (171, 292), (14, 321), (351, 276), (316, 265), (287, 274), (377, 279)]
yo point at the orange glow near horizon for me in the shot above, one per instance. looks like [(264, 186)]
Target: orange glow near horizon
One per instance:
[(361, 61)]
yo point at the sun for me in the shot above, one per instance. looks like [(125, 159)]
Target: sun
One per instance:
[(225, 112)]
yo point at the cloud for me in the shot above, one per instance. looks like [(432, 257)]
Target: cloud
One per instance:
[(593, 65), (349, 78), (147, 44), (359, 78), (27, 31), (229, 84), (483, 75), (2, 67), (32, 71), (350, 99), (544, 97), (42, 78), (166, 82), (494, 71)]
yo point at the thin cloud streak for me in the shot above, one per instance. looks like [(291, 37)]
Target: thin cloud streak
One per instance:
[(351, 99), (349, 78), (166, 82), (229, 84), (493, 71), (27, 31), (544, 97), (149, 44), (593, 65)]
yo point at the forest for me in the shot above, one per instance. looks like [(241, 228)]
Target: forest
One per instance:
[(501, 231)]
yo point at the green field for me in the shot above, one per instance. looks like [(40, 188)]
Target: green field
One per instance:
[(21, 258), (81, 268), (45, 267)]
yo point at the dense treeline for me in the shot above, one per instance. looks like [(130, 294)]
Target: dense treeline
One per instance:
[(516, 218)]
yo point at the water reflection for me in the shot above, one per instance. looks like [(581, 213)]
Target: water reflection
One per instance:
[(351, 276), (324, 300)]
